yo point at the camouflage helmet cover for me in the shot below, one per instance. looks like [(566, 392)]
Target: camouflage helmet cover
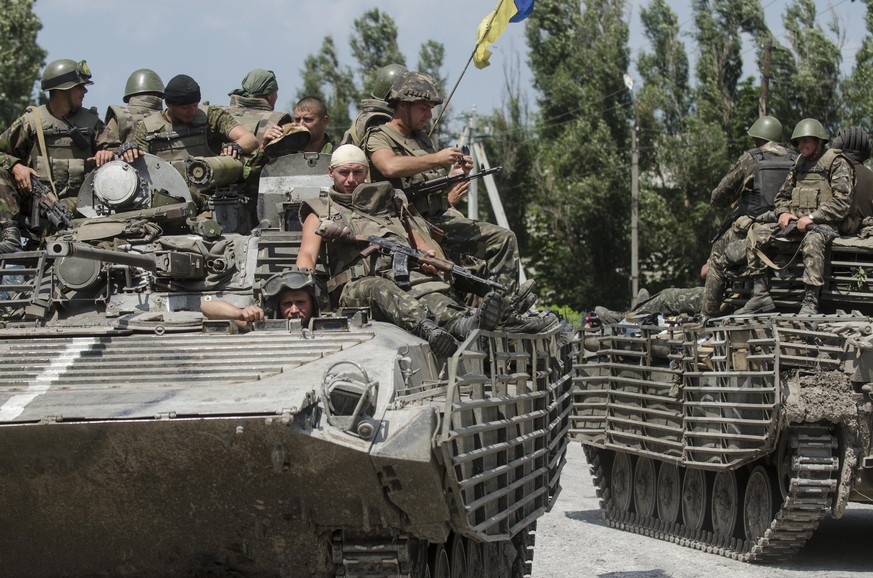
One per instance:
[(808, 127), (385, 78), (143, 80), (64, 74), (767, 128), (415, 87)]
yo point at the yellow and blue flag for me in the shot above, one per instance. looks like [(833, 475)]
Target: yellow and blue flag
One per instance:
[(493, 25)]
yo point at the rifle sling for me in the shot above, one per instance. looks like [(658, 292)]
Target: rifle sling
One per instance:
[(42, 148)]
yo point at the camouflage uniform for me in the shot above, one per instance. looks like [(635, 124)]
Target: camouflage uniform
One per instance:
[(821, 188), (367, 280), (256, 114), (495, 245), (755, 196), (68, 163), (122, 120), (674, 301)]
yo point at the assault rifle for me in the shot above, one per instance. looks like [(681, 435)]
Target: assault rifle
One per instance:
[(401, 255), (770, 217), (441, 183), (45, 202)]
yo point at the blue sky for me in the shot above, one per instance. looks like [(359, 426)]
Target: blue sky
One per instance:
[(218, 41)]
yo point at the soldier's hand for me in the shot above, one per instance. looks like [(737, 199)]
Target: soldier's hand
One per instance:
[(449, 156), (804, 222), (465, 165), (22, 175), (458, 192), (251, 314), (129, 151), (102, 157), (231, 149), (272, 133), (786, 218)]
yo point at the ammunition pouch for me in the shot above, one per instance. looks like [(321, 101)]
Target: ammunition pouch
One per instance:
[(431, 205), (742, 223)]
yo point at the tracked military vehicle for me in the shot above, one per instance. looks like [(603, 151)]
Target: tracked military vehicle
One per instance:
[(739, 436), (139, 438)]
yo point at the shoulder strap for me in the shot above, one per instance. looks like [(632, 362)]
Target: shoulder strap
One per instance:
[(42, 148)]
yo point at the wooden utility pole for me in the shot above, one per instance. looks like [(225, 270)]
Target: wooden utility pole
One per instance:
[(765, 80)]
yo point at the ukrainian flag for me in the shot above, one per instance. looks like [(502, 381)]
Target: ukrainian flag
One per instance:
[(493, 25)]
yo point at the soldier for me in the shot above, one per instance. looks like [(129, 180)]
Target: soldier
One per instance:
[(855, 146), (143, 95), (375, 111), (187, 129), (818, 191), (401, 153), (311, 112), (55, 142), (356, 210), (290, 294), (751, 185), (252, 105), (673, 301)]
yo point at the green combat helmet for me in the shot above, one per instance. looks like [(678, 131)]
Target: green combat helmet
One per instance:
[(767, 128), (143, 81), (808, 127), (64, 74), (415, 87), (385, 78), (290, 278)]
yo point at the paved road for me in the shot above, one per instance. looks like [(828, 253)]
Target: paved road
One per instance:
[(573, 540)]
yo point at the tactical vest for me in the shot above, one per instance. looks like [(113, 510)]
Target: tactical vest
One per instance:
[(812, 187), (177, 142), (369, 211), (430, 205), (67, 160), (256, 115), (126, 117), (770, 173), (374, 112)]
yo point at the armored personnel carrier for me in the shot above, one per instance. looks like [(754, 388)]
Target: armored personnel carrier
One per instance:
[(139, 438), (735, 437)]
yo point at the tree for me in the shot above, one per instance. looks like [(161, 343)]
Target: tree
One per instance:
[(20, 57), (374, 45), (325, 78), (857, 89), (579, 218)]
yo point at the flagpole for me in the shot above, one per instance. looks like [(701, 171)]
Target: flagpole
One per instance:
[(463, 72)]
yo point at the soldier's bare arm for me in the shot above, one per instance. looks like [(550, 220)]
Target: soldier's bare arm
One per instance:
[(310, 245), (395, 166)]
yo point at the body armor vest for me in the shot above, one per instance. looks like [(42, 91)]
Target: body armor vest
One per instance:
[(256, 115), (174, 142), (126, 117), (770, 173), (374, 112), (66, 158), (370, 210), (429, 205), (812, 185)]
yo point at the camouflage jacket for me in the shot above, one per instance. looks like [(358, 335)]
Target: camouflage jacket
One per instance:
[(121, 120), (740, 179), (256, 115), (821, 188)]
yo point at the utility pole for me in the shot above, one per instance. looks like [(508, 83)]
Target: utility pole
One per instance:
[(472, 130), (765, 80), (635, 199)]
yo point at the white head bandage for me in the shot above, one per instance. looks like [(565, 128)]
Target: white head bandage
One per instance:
[(348, 154)]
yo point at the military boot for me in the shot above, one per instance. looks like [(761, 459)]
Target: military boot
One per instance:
[(486, 317), (809, 306), (760, 301), (713, 295), (523, 299), (441, 341), (608, 316)]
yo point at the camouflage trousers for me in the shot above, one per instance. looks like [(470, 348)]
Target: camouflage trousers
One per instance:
[(673, 301), (727, 260), (495, 245), (813, 247), (9, 203), (390, 303)]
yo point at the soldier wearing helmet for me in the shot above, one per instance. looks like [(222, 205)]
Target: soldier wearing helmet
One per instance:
[(401, 153), (855, 145), (143, 95), (375, 110), (817, 192), (57, 142), (750, 186), (290, 294)]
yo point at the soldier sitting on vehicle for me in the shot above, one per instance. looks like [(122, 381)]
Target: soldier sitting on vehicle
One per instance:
[(143, 95), (354, 211), (311, 112), (290, 294)]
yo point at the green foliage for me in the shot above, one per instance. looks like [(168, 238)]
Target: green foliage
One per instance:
[(325, 78), (374, 44), (20, 57), (857, 88)]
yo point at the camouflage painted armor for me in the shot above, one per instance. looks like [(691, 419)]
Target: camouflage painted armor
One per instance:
[(19, 143), (121, 120), (256, 115), (495, 245), (366, 280)]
